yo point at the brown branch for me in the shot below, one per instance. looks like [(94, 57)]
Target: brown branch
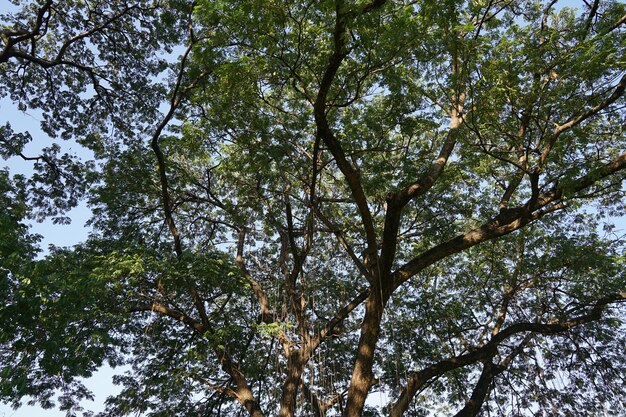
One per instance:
[(227, 391), (243, 393), (154, 143), (522, 163), (586, 181), (397, 201), (290, 229), (592, 15), (297, 297), (257, 289), (342, 241), (295, 357), (39, 21), (422, 185), (507, 221), (488, 374), (341, 315), (177, 96), (324, 131), (617, 93), (12, 38), (479, 394), (178, 315), (93, 30), (193, 292), (267, 315), (367, 7), (504, 363), (318, 407), (490, 349), (621, 21)]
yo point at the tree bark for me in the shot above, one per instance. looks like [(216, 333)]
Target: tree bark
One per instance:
[(295, 364), (472, 407), (362, 377)]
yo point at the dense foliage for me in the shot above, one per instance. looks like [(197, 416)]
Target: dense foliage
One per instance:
[(321, 208)]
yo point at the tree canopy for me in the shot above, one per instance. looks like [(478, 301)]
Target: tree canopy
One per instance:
[(323, 208)]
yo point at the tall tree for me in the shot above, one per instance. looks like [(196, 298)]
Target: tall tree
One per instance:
[(322, 208)]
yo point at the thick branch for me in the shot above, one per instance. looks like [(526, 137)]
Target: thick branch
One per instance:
[(154, 143), (157, 307), (242, 393), (592, 177), (327, 330), (592, 15), (488, 374), (93, 30), (418, 379), (12, 38), (324, 131), (397, 201), (266, 316), (318, 407), (472, 407), (175, 101), (506, 221), (422, 185), (621, 21)]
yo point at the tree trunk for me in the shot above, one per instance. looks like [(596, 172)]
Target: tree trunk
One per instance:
[(290, 387), (362, 377)]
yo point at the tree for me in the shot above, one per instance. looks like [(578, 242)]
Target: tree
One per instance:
[(318, 201)]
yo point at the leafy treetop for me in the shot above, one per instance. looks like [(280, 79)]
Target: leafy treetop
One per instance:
[(299, 204)]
